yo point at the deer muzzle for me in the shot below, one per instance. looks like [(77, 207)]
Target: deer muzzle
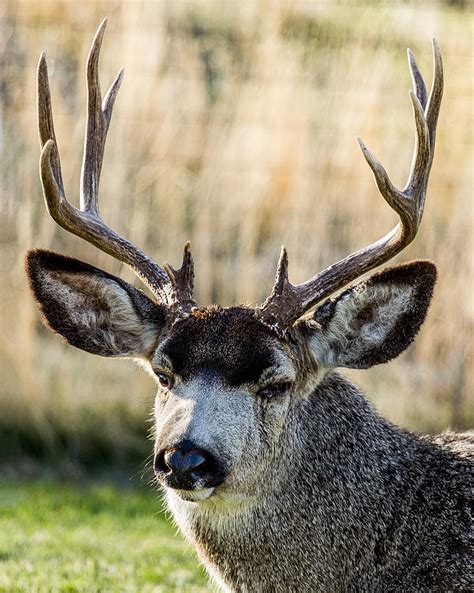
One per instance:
[(188, 467)]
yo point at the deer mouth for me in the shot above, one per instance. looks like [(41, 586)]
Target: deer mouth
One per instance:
[(197, 495)]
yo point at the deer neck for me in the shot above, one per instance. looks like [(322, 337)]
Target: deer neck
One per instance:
[(316, 521)]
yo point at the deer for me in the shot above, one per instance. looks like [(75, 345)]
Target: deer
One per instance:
[(275, 467)]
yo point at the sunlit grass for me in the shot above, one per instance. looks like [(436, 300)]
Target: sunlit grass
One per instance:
[(58, 538)]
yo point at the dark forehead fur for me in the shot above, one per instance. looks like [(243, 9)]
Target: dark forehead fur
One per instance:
[(231, 342)]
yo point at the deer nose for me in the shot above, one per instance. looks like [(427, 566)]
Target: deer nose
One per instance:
[(187, 467), (186, 462)]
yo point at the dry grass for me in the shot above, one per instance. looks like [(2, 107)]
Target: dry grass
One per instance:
[(234, 128)]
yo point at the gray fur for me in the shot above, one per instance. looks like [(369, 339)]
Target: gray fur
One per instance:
[(367, 507)]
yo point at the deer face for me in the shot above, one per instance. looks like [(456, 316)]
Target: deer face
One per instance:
[(225, 384)]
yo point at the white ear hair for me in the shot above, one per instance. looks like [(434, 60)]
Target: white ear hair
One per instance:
[(375, 320), (105, 309), (92, 309)]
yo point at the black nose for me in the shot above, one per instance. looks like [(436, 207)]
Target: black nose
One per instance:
[(192, 462), (186, 467)]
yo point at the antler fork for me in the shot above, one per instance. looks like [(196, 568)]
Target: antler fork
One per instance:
[(174, 288), (288, 302)]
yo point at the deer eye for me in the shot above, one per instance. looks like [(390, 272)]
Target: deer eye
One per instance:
[(166, 381), (274, 389)]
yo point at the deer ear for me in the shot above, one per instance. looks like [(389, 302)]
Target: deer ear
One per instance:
[(91, 309), (375, 320)]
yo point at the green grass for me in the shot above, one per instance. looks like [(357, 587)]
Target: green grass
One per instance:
[(96, 538)]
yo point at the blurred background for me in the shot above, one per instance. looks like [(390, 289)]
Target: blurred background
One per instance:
[(235, 128)]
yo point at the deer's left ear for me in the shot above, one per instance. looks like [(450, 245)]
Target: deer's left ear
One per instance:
[(375, 320)]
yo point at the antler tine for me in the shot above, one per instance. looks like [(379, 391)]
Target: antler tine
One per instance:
[(417, 79), (86, 222), (182, 280), (434, 101), (45, 120), (284, 306), (98, 120)]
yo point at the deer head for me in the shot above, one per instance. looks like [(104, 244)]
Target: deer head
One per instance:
[(229, 379)]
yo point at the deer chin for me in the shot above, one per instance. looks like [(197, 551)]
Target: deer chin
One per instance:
[(197, 495)]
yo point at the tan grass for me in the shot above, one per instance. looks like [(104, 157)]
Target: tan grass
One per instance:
[(235, 128)]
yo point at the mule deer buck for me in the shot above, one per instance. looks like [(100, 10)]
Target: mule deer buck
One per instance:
[(275, 467)]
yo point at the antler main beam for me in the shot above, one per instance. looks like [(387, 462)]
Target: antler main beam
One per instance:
[(173, 288), (288, 302)]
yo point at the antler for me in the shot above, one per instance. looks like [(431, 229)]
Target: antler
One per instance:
[(287, 302), (173, 288)]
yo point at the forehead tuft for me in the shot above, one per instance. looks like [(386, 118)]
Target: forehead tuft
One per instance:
[(230, 342), (208, 312)]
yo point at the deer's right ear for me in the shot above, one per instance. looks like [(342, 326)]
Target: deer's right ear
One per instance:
[(91, 309)]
